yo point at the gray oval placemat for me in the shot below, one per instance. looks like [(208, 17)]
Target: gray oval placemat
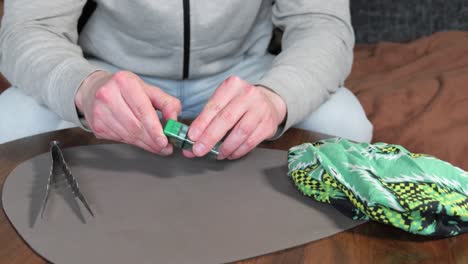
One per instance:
[(151, 209)]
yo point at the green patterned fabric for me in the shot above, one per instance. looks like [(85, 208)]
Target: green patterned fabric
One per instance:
[(386, 183)]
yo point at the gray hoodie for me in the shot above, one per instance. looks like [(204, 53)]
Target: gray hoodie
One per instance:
[(42, 53)]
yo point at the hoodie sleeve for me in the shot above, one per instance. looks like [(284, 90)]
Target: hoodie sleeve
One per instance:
[(39, 52), (316, 56)]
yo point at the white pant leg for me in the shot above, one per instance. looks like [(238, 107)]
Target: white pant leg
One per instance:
[(341, 116), (21, 116)]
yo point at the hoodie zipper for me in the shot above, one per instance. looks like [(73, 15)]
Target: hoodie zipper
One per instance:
[(186, 8)]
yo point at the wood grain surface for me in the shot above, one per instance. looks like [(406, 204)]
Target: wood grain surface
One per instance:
[(368, 243)]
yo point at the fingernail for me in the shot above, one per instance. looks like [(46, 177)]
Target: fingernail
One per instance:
[(161, 141), (193, 134), (199, 148), (221, 156), (188, 154), (166, 151)]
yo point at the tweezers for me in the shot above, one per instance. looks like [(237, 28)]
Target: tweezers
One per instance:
[(60, 172)]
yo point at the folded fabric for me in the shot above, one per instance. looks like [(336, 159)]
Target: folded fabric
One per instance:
[(386, 183)]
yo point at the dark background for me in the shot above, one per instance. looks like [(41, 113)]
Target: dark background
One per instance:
[(404, 20)]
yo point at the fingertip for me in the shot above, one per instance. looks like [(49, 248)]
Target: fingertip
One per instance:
[(167, 151), (170, 147), (170, 115), (194, 133), (188, 154), (162, 141), (199, 149)]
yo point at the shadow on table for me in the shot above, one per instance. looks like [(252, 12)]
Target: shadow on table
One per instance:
[(126, 158), (279, 181), (59, 190)]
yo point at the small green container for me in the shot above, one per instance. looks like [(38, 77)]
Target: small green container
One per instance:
[(177, 134)]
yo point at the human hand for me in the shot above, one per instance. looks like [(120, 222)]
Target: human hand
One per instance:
[(122, 107), (252, 112)]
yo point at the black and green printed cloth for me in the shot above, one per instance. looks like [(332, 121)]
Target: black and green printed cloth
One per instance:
[(386, 183)]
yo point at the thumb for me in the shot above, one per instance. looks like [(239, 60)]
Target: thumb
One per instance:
[(167, 104)]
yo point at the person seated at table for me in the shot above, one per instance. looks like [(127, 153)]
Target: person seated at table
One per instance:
[(186, 59)]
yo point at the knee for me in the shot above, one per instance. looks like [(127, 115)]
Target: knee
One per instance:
[(341, 116), (35, 118), (361, 132)]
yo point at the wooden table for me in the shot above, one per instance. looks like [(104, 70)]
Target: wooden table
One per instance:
[(368, 243)]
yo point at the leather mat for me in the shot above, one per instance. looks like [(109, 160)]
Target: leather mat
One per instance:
[(151, 209)]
